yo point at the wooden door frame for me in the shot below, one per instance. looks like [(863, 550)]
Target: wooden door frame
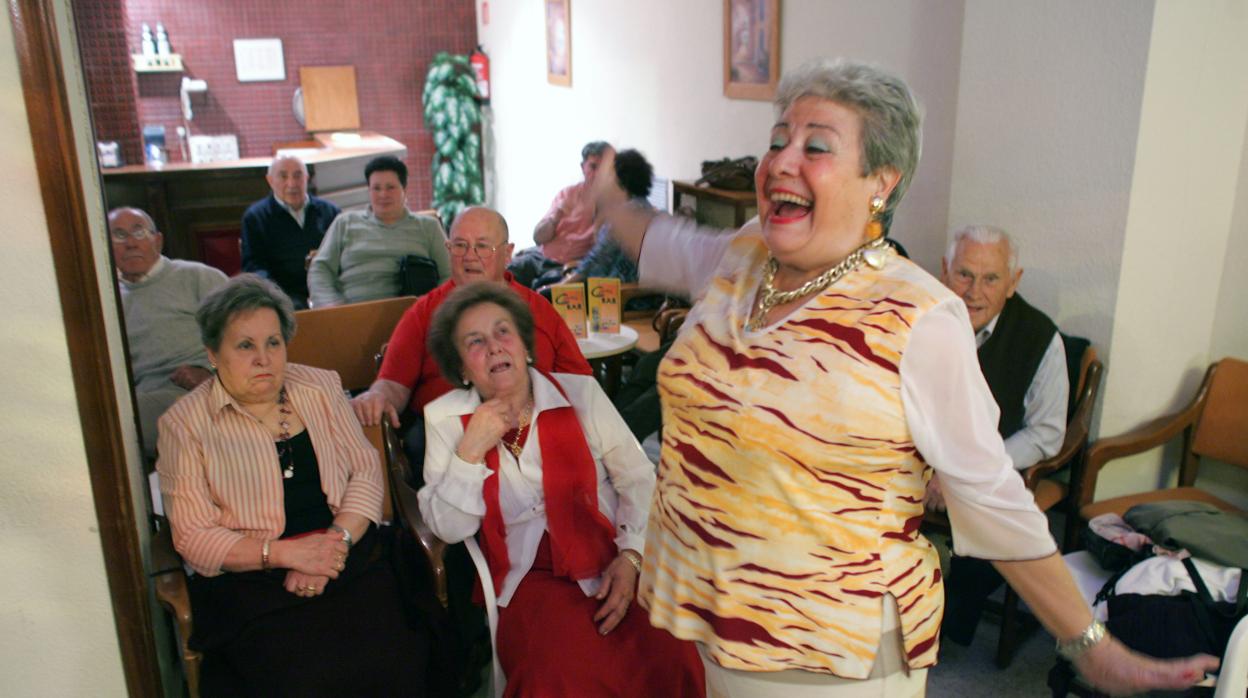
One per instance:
[(60, 183)]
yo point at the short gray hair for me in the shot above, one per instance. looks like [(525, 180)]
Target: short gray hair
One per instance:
[(984, 235), (442, 328), (241, 294), (286, 156), (891, 118)]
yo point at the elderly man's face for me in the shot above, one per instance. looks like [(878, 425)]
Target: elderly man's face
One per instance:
[(478, 252), (590, 165), (289, 181), (136, 247), (980, 275)]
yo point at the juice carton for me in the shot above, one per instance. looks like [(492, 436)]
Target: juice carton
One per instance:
[(569, 302), (604, 304)]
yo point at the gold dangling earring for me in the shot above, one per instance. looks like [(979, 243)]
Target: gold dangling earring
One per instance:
[(874, 254), (875, 228)]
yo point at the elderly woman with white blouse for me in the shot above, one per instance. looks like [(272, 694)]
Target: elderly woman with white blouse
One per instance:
[(545, 470)]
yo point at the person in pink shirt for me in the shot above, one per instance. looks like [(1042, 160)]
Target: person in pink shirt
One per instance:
[(566, 233)]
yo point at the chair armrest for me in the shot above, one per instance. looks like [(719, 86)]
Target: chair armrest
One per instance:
[(1143, 438), (407, 508), (169, 585)]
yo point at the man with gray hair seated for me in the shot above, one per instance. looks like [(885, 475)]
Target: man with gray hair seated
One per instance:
[(159, 297), (1023, 359), (283, 228)]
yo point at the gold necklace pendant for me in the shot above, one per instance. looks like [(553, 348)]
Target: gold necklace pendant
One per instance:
[(874, 253)]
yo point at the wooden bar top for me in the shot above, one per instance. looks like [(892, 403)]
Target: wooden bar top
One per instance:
[(333, 147)]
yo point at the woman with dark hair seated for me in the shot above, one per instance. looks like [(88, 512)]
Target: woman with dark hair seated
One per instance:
[(273, 493), (359, 257), (545, 469)]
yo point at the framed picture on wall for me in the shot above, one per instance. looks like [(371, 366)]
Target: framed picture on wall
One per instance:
[(559, 42), (751, 48)]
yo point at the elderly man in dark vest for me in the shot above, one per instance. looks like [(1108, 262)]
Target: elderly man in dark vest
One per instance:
[(1024, 362)]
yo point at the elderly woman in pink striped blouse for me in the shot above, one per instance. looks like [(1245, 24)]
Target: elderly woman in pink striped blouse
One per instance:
[(273, 491)]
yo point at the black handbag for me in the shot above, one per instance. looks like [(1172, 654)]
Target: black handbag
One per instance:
[(417, 275), (1169, 627)]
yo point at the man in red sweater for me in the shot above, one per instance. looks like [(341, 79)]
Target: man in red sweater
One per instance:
[(409, 377)]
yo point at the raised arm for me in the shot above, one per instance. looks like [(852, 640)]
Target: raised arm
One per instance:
[(452, 500)]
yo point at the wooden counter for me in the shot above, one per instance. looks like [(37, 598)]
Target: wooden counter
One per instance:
[(199, 207)]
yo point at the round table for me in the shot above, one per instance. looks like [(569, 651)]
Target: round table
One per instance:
[(605, 352)]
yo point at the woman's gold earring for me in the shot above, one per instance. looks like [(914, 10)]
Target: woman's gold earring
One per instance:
[(877, 205)]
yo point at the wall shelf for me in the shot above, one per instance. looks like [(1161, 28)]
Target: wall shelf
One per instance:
[(168, 63)]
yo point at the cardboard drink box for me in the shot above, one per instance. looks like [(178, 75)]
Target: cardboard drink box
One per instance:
[(569, 302), (604, 304)]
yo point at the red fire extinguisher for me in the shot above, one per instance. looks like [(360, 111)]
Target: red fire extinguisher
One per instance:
[(481, 67)]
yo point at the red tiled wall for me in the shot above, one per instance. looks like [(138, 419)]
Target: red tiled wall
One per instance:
[(390, 43)]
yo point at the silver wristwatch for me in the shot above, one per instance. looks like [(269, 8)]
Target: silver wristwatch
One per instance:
[(346, 535), (1074, 648)]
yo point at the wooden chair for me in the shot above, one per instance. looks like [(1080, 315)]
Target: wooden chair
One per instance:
[(345, 338), (1213, 425), (1050, 494)]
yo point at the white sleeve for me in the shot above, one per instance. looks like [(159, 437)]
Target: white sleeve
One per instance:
[(452, 501), (953, 421), (1044, 410), (631, 473), (679, 255)]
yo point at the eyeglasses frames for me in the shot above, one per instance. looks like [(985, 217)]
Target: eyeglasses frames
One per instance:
[(459, 248), (138, 234)]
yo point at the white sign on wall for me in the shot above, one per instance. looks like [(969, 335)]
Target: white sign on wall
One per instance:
[(258, 60)]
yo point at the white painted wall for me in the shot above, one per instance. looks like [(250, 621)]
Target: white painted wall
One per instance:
[(1230, 323), (59, 638), (1047, 118), (648, 74), (1183, 196)]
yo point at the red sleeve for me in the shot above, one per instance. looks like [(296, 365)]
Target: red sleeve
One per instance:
[(406, 351)]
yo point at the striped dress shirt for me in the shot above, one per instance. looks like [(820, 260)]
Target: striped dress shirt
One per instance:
[(220, 475)]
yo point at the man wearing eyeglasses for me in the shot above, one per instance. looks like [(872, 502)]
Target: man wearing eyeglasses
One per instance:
[(159, 297), (409, 377)]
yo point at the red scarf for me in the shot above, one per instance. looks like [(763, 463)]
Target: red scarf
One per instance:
[(581, 539)]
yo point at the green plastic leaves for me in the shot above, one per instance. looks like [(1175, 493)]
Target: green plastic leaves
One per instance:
[(452, 114)]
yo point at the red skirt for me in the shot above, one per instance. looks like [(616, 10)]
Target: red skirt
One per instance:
[(549, 646)]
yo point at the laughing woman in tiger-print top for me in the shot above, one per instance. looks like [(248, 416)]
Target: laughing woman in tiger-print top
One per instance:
[(816, 382)]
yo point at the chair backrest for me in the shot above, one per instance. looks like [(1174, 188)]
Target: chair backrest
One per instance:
[(345, 338), (1222, 428)]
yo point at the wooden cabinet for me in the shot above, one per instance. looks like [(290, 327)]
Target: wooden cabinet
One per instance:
[(717, 207)]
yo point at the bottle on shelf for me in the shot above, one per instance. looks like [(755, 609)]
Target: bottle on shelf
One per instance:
[(148, 46), (162, 40)]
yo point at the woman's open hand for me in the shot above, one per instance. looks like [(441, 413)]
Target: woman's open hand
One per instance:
[(305, 585), (319, 554), (619, 584), (1114, 668), (485, 429)]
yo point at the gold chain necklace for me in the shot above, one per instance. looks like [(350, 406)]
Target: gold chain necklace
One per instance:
[(768, 297), (513, 444)]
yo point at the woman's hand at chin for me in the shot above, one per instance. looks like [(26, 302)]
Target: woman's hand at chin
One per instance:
[(485, 429), (619, 585)]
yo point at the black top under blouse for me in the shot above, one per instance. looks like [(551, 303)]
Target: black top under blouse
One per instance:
[(307, 509)]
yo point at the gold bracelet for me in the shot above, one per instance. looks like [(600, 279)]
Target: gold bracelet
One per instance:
[(633, 559), (264, 556)]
